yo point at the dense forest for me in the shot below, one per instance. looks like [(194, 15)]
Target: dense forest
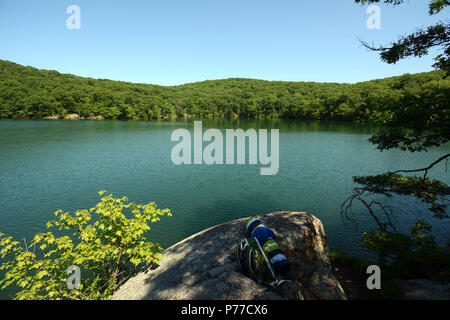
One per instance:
[(27, 92)]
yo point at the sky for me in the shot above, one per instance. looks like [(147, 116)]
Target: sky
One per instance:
[(171, 42)]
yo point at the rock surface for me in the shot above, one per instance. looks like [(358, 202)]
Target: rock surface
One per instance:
[(73, 116), (94, 117), (204, 265)]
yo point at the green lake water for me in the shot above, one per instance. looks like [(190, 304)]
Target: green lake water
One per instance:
[(47, 165)]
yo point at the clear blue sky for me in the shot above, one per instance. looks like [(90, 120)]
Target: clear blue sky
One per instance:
[(178, 41)]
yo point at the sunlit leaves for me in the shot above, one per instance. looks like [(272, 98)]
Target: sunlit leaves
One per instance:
[(108, 242)]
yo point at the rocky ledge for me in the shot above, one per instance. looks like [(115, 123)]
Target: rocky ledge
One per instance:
[(204, 265)]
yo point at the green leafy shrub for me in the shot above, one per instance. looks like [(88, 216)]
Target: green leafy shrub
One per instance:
[(108, 246), (408, 256)]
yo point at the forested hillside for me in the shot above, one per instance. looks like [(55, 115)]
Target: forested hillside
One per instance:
[(27, 92)]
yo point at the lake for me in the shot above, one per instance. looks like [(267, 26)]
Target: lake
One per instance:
[(47, 165)]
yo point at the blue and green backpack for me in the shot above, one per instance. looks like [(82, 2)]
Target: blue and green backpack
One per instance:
[(259, 254)]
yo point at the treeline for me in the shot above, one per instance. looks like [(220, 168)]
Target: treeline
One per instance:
[(27, 92)]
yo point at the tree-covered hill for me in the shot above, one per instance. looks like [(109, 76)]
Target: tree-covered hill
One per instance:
[(27, 92)]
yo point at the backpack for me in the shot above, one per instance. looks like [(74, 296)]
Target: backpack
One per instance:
[(254, 263), (259, 255)]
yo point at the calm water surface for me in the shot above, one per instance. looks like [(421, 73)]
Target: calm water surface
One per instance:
[(50, 165)]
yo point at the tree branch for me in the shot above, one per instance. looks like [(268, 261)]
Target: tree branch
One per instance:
[(424, 169)]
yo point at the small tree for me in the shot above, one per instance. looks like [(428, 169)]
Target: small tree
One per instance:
[(108, 246)]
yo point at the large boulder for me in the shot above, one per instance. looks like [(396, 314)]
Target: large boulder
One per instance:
[(204, 265)]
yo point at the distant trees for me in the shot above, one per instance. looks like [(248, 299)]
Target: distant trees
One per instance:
[(26, 92)]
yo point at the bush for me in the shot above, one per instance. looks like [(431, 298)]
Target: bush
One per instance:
[(109, 250), (409, 256)]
